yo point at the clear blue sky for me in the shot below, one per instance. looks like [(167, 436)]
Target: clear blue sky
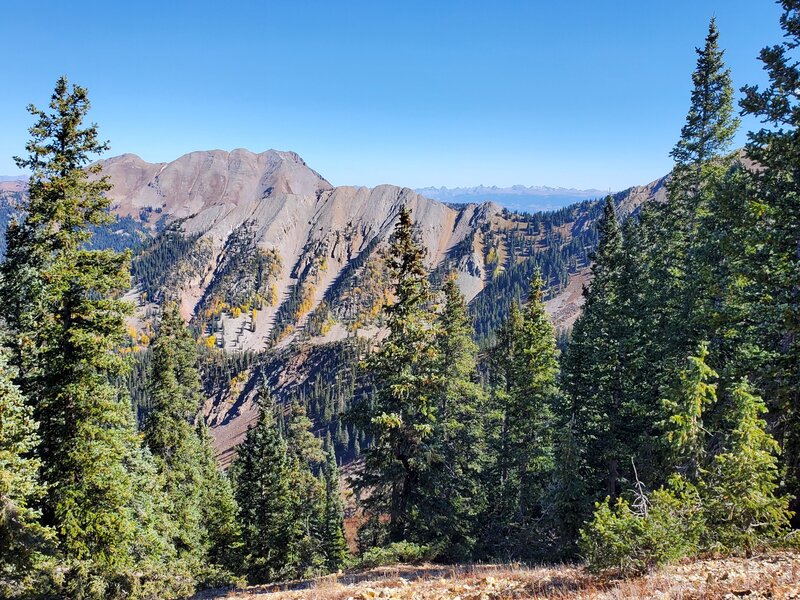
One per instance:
[(415, 93)]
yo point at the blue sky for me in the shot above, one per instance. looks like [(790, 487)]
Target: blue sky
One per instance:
[(416, 93)]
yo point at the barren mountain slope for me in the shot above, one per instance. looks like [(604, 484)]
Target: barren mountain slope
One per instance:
[(199, 180)]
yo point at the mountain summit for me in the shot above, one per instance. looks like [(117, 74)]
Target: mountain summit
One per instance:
[(199, 180)]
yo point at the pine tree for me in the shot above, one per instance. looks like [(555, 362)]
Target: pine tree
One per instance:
[(568, 491), (744, 506), (62, 303), (686, 433), (504, 374), (201, 502), (262, 488), (774, 257), (400, 416), (701, 160), (222, 534), (528, 363), (531, 417), (302, 445), (710, 123), (22, 538), (452, 496), (333, 543), (671, 314), (306, 496), (174, 388), (595, 364)]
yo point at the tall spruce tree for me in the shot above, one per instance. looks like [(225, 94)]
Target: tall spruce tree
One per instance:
[(261, 476), (499, 479), (451, 487), (333, 542), (710, 123), (531, 416), (594, 367), (670, 282), (568, 491), (400, 416), (701, 159), (306, 496), (775, 241), (523, 448), (201, 502), (62, 303), (222, 534), (673, 316)]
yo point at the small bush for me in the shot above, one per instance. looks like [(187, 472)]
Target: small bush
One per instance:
[(399, 552), (663, 528)]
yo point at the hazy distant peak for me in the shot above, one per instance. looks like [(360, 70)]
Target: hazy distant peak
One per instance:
[(516, 197), (445, 193)]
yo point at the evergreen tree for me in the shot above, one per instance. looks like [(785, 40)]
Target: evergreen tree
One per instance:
[(222, 534), (22, 539), (701, 161), (744, 506), (400, 416), (333, 543), (528, 361), (710, 123), (686, 434), (261, 474), (530, 422), (774, 250), (594, 367), (568, 491), (201, 502), (306, 496), (62, 303), (302, 445), (451, 488), (503, 375), (677, 288)]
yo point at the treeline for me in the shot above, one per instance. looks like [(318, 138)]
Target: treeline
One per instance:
[(92, 504), (669, 425), (534, 244)]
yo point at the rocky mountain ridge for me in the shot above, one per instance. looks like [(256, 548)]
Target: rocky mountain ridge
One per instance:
[(279, 272), (260, 249)]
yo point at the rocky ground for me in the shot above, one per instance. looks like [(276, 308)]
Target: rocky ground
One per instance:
[(769, 576)]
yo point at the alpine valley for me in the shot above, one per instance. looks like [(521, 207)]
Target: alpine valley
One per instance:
[(282, 276)]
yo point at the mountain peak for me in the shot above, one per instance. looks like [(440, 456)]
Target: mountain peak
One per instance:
[(516, 197), (204, 178)]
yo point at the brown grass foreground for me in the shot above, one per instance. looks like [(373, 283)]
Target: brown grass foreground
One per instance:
[(775, 576)]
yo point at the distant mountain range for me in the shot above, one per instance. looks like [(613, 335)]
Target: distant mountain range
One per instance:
[(517, 197)]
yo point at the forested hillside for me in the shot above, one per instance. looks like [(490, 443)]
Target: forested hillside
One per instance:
[(191, 433)]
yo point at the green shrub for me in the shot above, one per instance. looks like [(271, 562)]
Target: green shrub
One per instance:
[(662, 528), (399, 552), (744, 504)]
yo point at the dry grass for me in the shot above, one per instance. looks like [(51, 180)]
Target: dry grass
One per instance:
[(775, 576)]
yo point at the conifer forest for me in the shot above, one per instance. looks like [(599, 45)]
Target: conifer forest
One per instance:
[(663, 425)]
